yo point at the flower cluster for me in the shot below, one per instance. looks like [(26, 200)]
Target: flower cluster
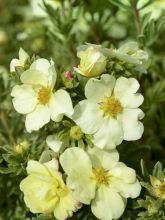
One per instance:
[(99, 115)]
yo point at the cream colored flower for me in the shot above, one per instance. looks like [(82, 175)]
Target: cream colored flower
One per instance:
[(35, 97), (92, 62), (98, 178), (110, 111), (23, 56), (45, 192)]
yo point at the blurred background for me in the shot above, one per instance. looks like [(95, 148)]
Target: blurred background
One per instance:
[(54, 28)]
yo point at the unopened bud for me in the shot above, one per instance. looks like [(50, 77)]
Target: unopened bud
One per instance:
[(76, 132), (19, 148)]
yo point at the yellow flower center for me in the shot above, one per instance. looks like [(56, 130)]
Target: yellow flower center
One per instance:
[(44, 94), (160, 190), (111, 106), (101, 175)]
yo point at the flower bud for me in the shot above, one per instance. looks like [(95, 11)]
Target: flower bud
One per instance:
[(69, 80), (68, 75), (92, 62), (76, 133), (19, 148)]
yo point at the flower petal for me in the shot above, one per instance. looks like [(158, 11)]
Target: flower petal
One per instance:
[(95, 89), (155, 182), (25, 99), (78, 70), (14, 62), (46, 68), (42, 65), (124, 181), (34, 77), (52, 165), (125, 90), (38, 118), (54, 143), (126, 174), (106, 159), (23, 56), (132, 127), (87, 116), (127, 190), (38, 201), (66, 206), (67, 160), (108, 204), (41, 72), (109, 135), (34, 167), (49, 169), (79, 174), (60, 104), (52, 74)]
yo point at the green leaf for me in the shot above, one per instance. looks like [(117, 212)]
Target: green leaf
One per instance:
[(5, 170), (144, 169), (158, 171), (43, 217), (120, 4)]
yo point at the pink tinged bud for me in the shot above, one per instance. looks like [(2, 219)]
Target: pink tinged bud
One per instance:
[(68, 75)]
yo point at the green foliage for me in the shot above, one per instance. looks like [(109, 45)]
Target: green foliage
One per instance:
[(153, 206), (150, 27), (154, 209)]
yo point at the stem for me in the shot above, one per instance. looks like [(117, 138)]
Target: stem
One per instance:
[(136, 15), (6, 127)]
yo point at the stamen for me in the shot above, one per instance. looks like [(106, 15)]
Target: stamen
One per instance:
[(101, 175), (160, 190), (44, 95), (111, 106)]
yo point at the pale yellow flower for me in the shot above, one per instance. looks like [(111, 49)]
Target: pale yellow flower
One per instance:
[(45, 191), (36, 99), (92, 62), (99, 179), (110, 111)]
